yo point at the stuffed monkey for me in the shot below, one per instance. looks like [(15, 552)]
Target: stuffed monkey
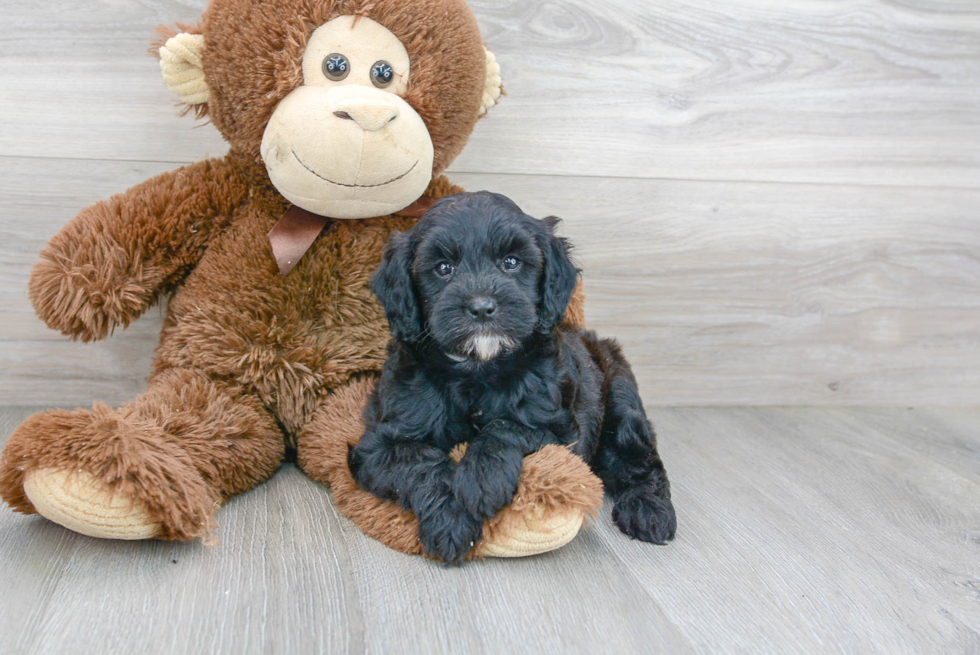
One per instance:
[(341, 116)]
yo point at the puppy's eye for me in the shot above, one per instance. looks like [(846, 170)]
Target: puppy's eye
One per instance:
[(511, 264), (444, 269)]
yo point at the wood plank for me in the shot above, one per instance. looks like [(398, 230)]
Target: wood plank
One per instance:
[(567, 601), (733, 294), (31, 568), (801, 530), (37, 197), (79, 83), (272, 585), (947, 436), (722, 293), (803, 91), (803, 533)]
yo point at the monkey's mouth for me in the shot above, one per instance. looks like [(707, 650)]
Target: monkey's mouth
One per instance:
[(351, 186)]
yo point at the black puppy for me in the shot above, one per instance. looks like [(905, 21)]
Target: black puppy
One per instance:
[(475, 294)]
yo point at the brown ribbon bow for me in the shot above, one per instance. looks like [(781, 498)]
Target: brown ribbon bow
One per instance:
[(296, 231)]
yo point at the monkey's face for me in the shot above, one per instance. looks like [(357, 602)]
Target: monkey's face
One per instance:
[(351, 116), (345, 144)]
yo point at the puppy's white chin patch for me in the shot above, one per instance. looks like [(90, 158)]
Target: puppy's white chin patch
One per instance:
[(487, 346)]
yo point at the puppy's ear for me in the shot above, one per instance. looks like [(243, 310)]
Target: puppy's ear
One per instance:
[(392, 284), (558, 277)]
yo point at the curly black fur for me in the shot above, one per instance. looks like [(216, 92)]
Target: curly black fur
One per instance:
[(474, 294)]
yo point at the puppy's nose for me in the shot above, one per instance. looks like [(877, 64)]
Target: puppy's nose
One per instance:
[(481, 309)]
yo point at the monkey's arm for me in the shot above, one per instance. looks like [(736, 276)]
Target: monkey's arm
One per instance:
[(114, 259)]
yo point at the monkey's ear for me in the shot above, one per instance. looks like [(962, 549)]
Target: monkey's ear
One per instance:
[(183, 69), (393, 286), (493, 86), (558, 277)]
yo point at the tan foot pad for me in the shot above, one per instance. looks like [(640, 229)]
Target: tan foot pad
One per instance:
[(534, 536), (79, 502)]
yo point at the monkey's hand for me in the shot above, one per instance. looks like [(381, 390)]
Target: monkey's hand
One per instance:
[(112, 261)]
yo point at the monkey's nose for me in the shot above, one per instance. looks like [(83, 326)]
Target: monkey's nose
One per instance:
[(371, 116), (481, 309)]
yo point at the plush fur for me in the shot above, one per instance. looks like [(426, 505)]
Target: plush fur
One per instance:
[(252, 366), (474, 294)]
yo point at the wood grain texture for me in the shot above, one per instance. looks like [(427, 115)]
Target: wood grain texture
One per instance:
[(722, 294), (801, 530), (816, 531), (801, 91), (774, 202), (777, 294)]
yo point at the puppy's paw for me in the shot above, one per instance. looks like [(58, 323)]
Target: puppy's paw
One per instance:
[(486, 482), (642, 514), (449, 537)]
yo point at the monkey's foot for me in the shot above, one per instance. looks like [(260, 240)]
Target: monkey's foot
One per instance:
[(78, 501), (534, 535), (556, 493)]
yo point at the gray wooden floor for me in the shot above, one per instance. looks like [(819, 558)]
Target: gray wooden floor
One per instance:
[(801, 530)]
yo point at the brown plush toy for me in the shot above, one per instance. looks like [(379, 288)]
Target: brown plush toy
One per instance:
[(348, 109)]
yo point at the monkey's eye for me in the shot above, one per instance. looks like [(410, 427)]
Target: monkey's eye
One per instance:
[(444, 269), (382, 74), (336, 67), (511, 264)]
